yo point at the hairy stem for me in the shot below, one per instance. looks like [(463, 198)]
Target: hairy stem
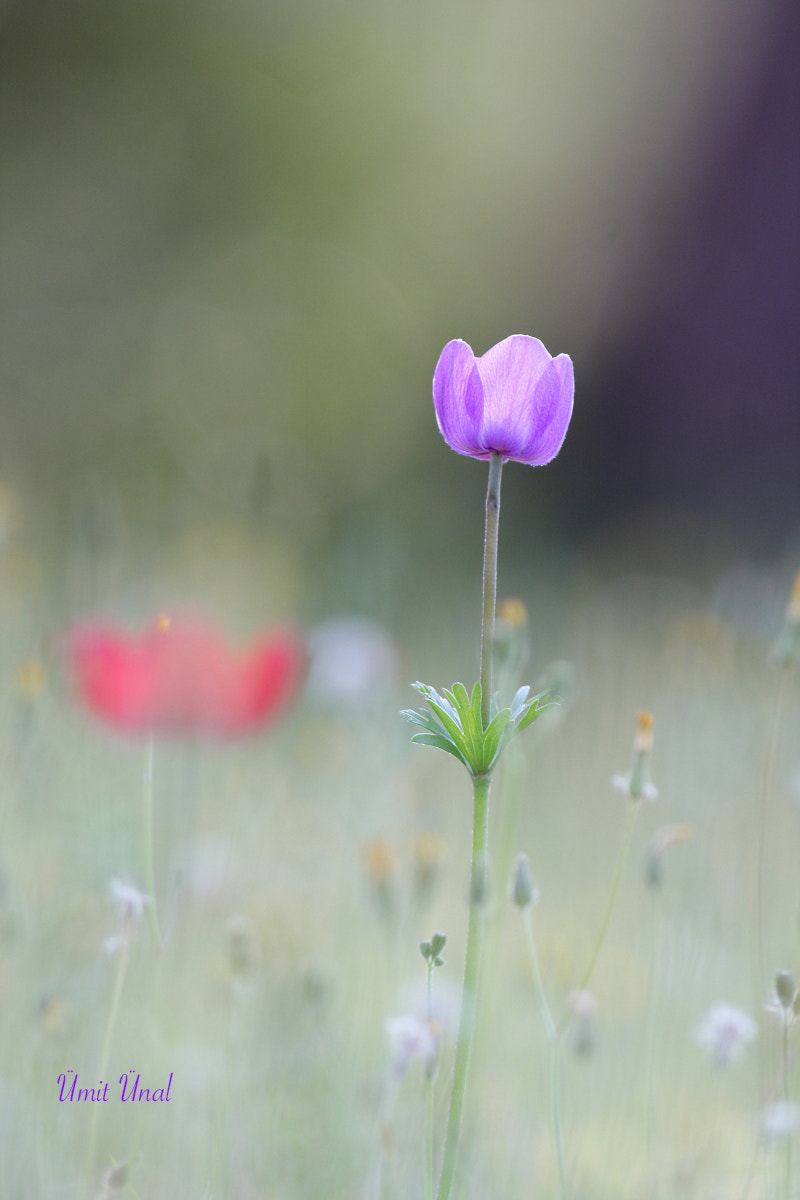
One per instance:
[(490, 582), (480, 839)]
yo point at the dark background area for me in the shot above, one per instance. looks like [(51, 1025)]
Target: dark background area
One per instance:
[(235, 238)]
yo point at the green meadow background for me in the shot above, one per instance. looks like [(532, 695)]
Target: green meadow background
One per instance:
[(234, 241)]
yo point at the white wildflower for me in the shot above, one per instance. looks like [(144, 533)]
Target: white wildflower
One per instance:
[(780, 1120), (353, 662), (725, 1033), (410, 1040), (129, 904)]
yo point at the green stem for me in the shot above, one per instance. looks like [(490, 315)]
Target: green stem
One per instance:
[(547, 1016), (469, 997), (480, 841), (786, 1098), (612, 896), (553, 1050), (766, 785), (429, 1106), (650, 1035), (429, 1146), (555, 1031), (490, 582), (751, 1170), (555, 1111), (113, 1013), (149, 852)]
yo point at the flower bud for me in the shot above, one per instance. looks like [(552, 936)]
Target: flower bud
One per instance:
[(524, 892), (514, 400), (583, 1004), (637, 782), (438, 943), (664, 837), (785, 988), (431, 950)]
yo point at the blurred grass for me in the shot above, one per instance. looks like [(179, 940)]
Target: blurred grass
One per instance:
[(233, 244), (282, 1079)]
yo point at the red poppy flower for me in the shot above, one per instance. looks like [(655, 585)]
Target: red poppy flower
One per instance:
[(179, 676)]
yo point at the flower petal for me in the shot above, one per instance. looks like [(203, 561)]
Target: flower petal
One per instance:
[(113, 677), (263, 686), (550, 413), (183, 678), (458, 398), (510, 373)]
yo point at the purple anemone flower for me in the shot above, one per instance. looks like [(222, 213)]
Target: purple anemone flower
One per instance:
[(515, 400)]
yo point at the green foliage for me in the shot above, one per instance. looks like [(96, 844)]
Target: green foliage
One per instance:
[(454, 723)]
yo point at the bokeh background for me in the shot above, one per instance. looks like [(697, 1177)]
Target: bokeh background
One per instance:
[(235, 237)]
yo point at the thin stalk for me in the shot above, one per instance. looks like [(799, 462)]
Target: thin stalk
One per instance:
[(149, 851), (429, 1106), (429, 1146), (785, 1056), (480, 837), (553, 1050), (766, 785), (105, 1054), (481, 785), (490, 581), (650, 1035), (612, 896), (751, 1170), (469, 996)]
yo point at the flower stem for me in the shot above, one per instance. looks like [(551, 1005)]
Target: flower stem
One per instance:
[(490, 582), (469, 997), (650, 1033), (553, 1050), (785, 1065), (481, 785), (429, 1139), (612, 895), (429, 1105), (113, 1013), (766, 786), (149, 851)]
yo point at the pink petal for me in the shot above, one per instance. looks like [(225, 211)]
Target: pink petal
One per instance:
[(510, 373), (458, 397), (551, 413)]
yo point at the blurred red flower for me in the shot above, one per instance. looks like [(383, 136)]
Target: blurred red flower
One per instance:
[(180, 676)]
